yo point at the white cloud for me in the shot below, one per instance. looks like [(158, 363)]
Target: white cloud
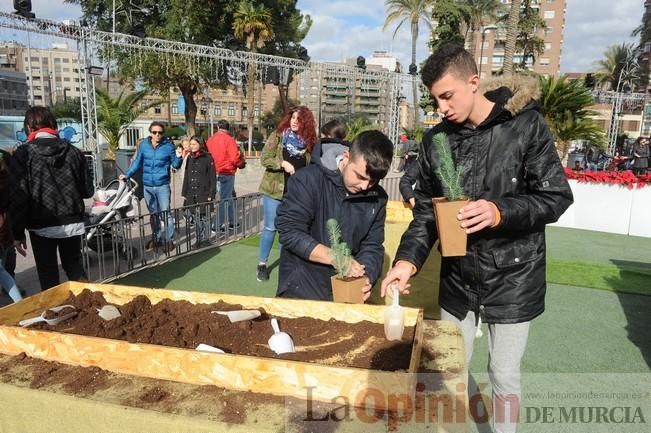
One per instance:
[(359, 8), (593, 25), (336, 37), (55, 10)]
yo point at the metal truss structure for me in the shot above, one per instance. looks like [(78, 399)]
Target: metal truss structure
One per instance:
[(89, 39), (620, 102)]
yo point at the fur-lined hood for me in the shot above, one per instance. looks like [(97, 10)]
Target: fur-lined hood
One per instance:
[(524, 90)]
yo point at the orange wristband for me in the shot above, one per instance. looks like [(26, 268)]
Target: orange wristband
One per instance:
[(498, 215)]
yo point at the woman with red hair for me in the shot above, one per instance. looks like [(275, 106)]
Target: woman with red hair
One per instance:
[(288, 149)]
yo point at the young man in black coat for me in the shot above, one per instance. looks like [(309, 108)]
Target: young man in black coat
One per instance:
[(343, 185), (516, 185)]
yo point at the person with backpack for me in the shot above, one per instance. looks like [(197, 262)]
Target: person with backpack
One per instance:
[(50, 182)]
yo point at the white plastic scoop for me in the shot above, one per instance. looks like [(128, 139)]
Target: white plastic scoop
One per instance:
[(239, 315), (208, 348), (108, 312), (280, 342), (51, 322), (394, 318)]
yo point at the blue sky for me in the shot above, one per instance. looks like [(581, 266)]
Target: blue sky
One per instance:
[(344, 29)]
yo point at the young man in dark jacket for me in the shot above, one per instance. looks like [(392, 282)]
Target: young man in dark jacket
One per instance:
[(155, 155), (51, 180), (516, 185), (343, 185)]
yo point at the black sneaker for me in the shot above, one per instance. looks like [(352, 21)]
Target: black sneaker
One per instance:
[(263, 273)]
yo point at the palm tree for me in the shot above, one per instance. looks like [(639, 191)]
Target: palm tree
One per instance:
[(480, 13), (411, 11), (564, 103), (114, 115), (357, 124), (252, 25), (511, 36), (610, 67)]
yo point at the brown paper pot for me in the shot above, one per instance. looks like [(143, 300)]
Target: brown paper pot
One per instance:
[(452, 236), (348, 291)]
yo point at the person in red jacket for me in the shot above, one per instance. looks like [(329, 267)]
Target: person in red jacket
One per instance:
[(224, 151)]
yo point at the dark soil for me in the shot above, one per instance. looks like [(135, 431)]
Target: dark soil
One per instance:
[(186, 325)]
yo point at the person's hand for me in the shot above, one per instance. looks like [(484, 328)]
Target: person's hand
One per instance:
[(179, 152), (288, 167), (356, 270), (477, 215), (366, 290), (122, 177), (412, 202), (21, 247), (397, 276)]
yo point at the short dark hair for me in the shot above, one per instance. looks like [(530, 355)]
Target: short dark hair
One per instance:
[(39, 117), (450, 58), (377, 150), (334, 129), (156, 123), (223, 124)]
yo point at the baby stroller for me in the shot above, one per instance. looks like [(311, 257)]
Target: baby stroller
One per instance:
[(114, 203)]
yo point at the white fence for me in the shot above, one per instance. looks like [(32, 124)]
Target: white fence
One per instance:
[(609, 208)]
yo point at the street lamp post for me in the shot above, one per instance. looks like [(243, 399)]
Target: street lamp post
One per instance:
[(206, 103), (321, 90), (484, 29)]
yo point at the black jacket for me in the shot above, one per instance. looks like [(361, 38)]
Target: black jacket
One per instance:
[(409, 178), (199, 181), (51, 180), (510, 159), (314, 195)]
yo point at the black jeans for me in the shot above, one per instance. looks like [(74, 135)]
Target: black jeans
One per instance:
[(45, 256)]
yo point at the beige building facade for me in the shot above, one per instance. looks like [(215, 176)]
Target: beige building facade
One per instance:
[(491, 56), (52, 74)]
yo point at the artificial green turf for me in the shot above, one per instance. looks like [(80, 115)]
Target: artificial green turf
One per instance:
[(584, 330), (228, 269), (622, 278), (598, 247)]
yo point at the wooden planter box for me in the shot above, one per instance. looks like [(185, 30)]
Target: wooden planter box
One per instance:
[(367, 388)]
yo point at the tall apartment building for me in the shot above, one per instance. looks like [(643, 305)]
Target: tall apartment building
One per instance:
[(13, 93), (52, 74), (331, 96), (491, 56)]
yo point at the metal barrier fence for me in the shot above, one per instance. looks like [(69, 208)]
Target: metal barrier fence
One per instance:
[(392, 186), (119, 247)]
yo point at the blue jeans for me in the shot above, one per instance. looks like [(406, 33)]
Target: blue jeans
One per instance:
[(225, 185), (6, 279), (157, 199), (269, 206)]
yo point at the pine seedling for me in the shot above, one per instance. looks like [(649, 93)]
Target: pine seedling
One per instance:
[(339, 251), (449, 174)]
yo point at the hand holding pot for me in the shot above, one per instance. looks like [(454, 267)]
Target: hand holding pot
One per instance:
[(356, 269), (477, 215)]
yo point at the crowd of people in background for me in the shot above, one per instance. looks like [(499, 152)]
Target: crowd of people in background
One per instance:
[(633, 156)]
